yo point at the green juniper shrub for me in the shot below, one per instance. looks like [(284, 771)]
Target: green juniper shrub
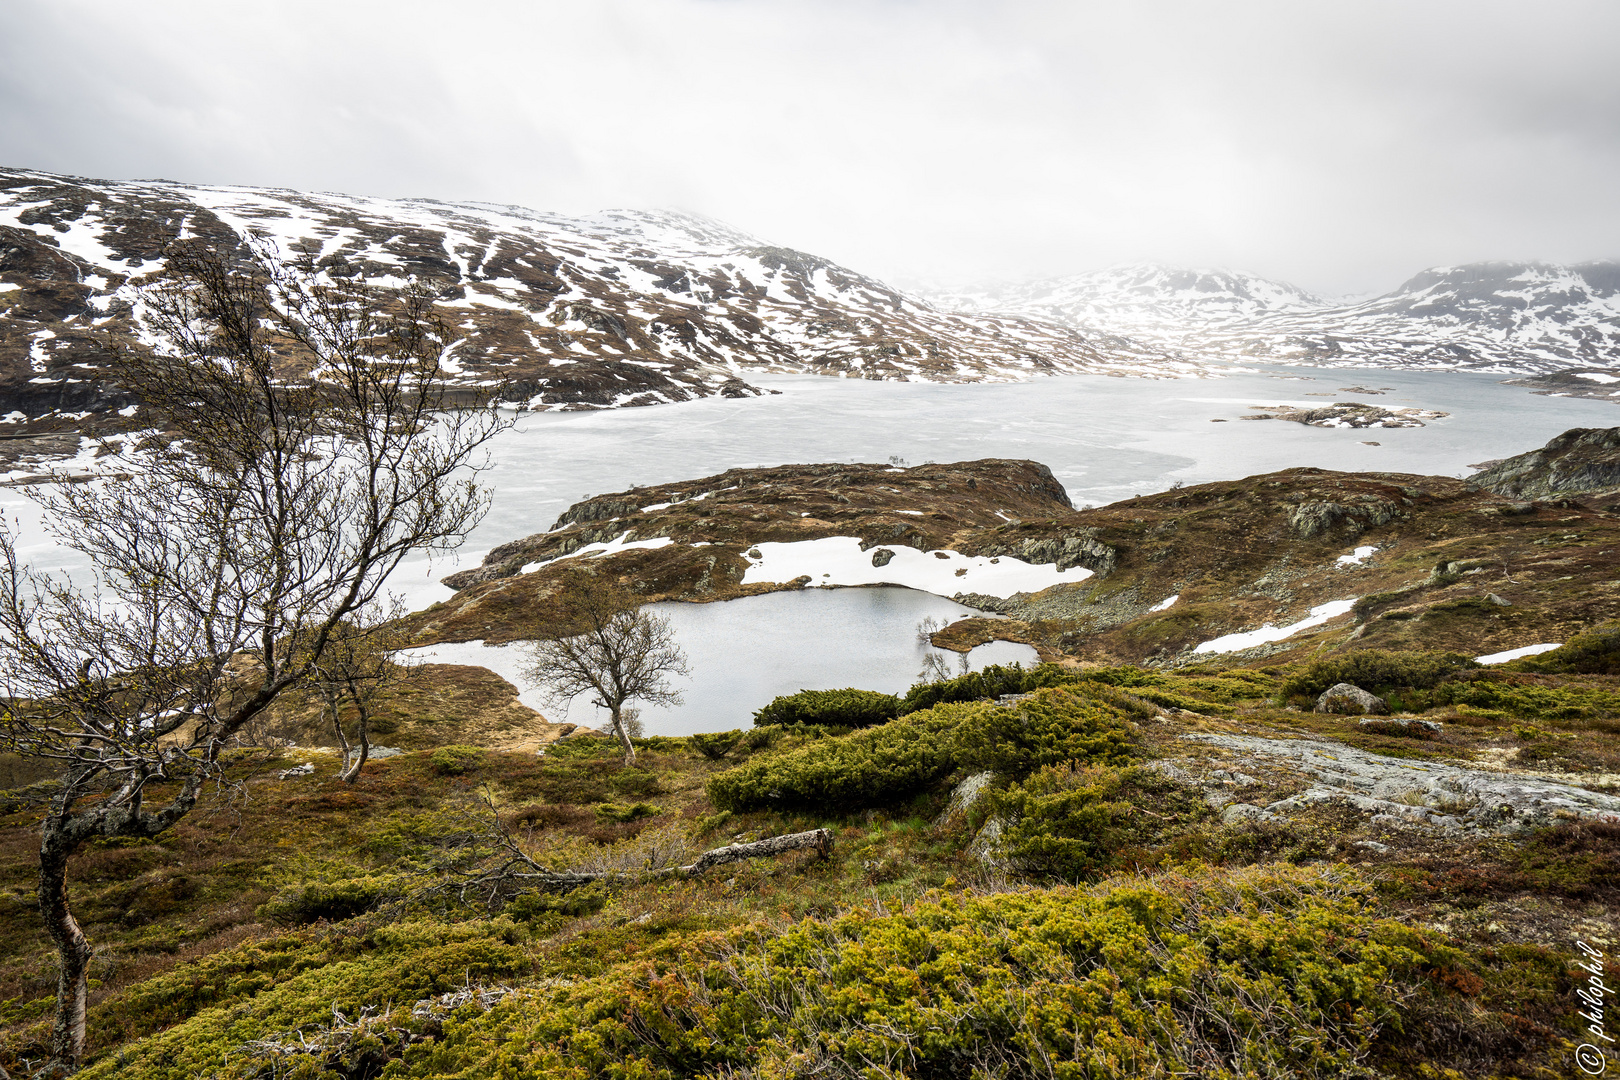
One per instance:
[(531, 906), (270, 989), (1596, 652), (456, 760), (1052, 727), (1127, 979), (1376, 671), (850, 708), (874, 766), (715, 745), (333, 901), (1072, 822), (617, 812), (1521, 697), (992, 682)]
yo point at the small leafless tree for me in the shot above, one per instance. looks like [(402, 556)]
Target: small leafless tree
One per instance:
[(306, 451), (356, 669), (607, 647)]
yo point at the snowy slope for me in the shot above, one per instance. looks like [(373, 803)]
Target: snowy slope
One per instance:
[(619, 308), (1520, 318)]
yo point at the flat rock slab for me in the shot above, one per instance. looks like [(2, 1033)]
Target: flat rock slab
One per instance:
[(1429, 792)]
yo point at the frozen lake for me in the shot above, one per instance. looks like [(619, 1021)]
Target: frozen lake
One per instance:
[(1104, 438)]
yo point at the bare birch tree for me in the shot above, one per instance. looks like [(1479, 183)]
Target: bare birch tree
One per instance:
[(306, 452), (608, 648)]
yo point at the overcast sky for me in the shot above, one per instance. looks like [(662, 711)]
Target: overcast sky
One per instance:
[(1339, 146)]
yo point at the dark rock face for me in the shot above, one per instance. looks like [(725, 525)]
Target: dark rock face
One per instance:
[(882, 557), (1580, 461), (1346, 699)]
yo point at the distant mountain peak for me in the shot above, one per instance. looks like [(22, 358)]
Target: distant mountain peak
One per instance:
[(1511, 317)]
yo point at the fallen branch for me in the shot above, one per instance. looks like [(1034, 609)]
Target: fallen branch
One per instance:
[(494, 883), (818, 840)]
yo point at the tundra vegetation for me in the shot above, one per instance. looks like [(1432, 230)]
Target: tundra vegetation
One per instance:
[(1118, 925), (1060, 871)]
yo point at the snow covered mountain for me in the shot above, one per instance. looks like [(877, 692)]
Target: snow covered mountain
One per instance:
[(1516, 318), (621, 308)]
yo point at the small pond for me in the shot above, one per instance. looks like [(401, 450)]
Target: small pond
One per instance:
[(742, 653)]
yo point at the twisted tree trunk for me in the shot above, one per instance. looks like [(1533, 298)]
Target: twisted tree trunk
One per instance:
[(72, 947)]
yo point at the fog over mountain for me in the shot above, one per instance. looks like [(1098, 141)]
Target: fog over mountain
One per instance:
[(1336, 146)]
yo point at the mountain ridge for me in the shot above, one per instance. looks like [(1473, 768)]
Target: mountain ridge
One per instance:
[(617, 308), (1505, 316)]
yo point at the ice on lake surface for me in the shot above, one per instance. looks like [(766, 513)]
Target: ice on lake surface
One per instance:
[(1104, 438)]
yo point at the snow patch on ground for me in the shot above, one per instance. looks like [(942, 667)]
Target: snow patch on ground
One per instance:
[(1514, 654), (1248, 639), (610, 547), (1357, 557), (839, 560), (1166, 604)]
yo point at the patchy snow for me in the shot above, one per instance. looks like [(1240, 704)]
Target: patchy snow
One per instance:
[(1166, 604), (1597, 376), (611, 547), (839, 560), (1514, 654), (1357, 557), (1248, 639)]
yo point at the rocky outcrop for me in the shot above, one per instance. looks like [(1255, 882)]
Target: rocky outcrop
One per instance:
[(1346, 699), (1314, 518), (1581, 461), (1403, 792), (1349, 414), (698, 534)]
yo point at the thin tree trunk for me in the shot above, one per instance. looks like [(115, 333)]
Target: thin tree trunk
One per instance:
[(351, 773), (73, 950), (623, 733)]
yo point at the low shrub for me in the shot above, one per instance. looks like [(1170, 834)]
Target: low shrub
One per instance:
[(715, 745), (1596, 652), (1377, 671), (616, 812), (870, 767), (330, 900), (1519, 697), (831, 708), (884, 765), (992, 682), (1134, 978), (1053, 727), (1072, 822), (456, 760)]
